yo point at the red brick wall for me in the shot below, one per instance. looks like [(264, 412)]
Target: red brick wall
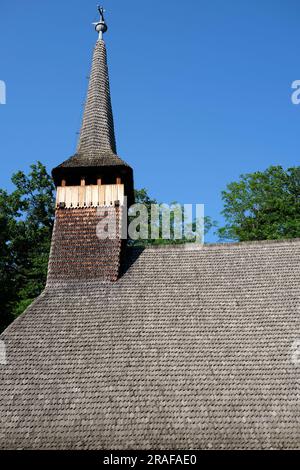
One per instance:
[(77, 252)]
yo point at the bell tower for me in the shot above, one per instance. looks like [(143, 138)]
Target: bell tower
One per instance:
[(93, 186)]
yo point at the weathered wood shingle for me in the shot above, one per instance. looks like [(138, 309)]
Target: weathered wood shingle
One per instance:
[(77, 252), (96, 149), (188, 349)]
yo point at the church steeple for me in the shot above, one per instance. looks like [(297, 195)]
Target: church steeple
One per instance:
[(97, 131), (96, 155), (92, 187)]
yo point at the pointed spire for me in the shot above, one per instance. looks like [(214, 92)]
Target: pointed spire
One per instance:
[(97, 132), (96, 149)]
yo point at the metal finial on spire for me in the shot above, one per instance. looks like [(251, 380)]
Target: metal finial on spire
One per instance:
[(101, 11), (101, 26)]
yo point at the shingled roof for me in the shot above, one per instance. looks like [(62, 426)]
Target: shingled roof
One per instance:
[(97, 131), (191, 348)]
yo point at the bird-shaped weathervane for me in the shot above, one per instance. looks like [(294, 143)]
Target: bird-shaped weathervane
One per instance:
[(101, 26)]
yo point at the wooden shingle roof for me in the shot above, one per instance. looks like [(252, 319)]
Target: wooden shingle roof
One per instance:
[(97, 144), (97, 131), (190, 348)]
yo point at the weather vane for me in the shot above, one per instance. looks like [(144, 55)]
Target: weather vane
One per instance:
[(101, 11), (101, 26)]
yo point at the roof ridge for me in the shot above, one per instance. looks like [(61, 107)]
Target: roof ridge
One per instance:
[(223, 245)]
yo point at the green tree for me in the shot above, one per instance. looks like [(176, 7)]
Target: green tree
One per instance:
[(263, 205), (26, 221), (7, 284)]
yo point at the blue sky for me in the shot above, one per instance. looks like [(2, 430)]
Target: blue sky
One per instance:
[(201, 90)]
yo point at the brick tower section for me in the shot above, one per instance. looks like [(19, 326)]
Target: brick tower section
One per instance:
[(77, 252)]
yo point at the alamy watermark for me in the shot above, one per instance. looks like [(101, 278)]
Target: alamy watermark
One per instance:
[(2, 92), (3, 360), (152, 222), (295, 97)]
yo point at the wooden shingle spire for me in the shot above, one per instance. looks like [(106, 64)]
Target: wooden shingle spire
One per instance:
[(97, 131), (96, 152)]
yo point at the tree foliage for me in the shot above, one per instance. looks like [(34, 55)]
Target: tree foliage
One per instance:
[(26, 221), (263, 205)]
